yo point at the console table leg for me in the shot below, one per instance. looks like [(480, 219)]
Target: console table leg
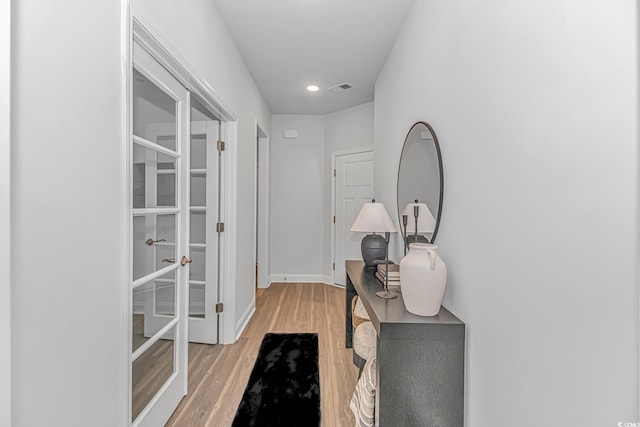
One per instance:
[(349, 294)]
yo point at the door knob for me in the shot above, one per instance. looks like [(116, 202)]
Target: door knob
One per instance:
[(150, 241), (185, 261), (169, 260)]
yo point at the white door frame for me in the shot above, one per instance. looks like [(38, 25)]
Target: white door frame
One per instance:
[(5, 212), (333, 201), (262, 199)]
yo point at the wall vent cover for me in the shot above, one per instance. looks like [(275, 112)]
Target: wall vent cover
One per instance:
[(340, 88)]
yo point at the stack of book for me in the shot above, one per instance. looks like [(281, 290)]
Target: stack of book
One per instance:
[(393, 272)]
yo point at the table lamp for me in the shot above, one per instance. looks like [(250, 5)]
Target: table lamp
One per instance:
[(373, 218)]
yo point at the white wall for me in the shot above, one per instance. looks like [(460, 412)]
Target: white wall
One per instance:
[(296, 199), (348, 128), (196, 30), (5, 212), (300, 177), (67, 214), (67, 307), (344, 129), (535, 107)]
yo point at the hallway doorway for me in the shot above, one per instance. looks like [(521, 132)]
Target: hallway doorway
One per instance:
[(181, 172)]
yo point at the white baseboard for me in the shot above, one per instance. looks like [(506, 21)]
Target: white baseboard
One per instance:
[(138, 307), (299, 278), (336, 285), (242, 323)]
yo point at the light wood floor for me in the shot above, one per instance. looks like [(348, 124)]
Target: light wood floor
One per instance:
[(218, 374)]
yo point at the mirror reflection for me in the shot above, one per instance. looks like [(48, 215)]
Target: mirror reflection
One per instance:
[(420, 185)]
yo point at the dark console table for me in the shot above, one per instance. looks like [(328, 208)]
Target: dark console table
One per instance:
[(420, 360)]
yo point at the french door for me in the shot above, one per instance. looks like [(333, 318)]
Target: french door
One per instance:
[(203, 213), (204, 239), (159, 173)]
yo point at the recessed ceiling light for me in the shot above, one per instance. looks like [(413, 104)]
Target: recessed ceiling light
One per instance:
[(313, 88)]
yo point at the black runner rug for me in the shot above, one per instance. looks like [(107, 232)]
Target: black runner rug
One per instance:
[(284, 386)]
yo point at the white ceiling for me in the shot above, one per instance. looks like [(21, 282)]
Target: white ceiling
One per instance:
[(289, 44)]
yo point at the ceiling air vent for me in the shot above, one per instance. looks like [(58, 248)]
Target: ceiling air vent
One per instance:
[(340, 88)]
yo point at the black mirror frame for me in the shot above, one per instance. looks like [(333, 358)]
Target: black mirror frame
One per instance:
[(439, 154)]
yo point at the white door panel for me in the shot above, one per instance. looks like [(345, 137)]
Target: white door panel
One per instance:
[(159, 170), (203, 213), (353, 187), (358, 174), (205, 191)]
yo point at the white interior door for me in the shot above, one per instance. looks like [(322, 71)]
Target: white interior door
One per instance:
[(159, 173), (204, 239), (353, 187)]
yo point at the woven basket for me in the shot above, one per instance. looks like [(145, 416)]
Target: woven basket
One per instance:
[(356, 320)]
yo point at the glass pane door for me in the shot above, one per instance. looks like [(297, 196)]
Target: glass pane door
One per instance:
[(204, 211), (159, 172)]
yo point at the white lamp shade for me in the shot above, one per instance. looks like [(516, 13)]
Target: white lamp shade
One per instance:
[(373, 218), (426, 221)]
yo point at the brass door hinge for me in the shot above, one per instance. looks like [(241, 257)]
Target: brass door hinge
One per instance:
[(334, 172), (220, 227), (334, 219), (334, 265), (219, 308), (220, 146)]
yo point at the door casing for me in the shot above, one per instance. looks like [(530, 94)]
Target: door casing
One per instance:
[(261, 231), (5, 212)]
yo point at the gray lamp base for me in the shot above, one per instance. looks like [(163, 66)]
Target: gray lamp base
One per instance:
[(373, 247), (386, 294)]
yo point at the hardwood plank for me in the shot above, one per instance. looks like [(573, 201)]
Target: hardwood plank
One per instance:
[(203, 359), (218, 374)]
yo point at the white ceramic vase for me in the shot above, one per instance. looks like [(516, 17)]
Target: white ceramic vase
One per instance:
[(423, 277)]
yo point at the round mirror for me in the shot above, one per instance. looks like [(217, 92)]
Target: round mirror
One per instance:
[(420, 185)]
